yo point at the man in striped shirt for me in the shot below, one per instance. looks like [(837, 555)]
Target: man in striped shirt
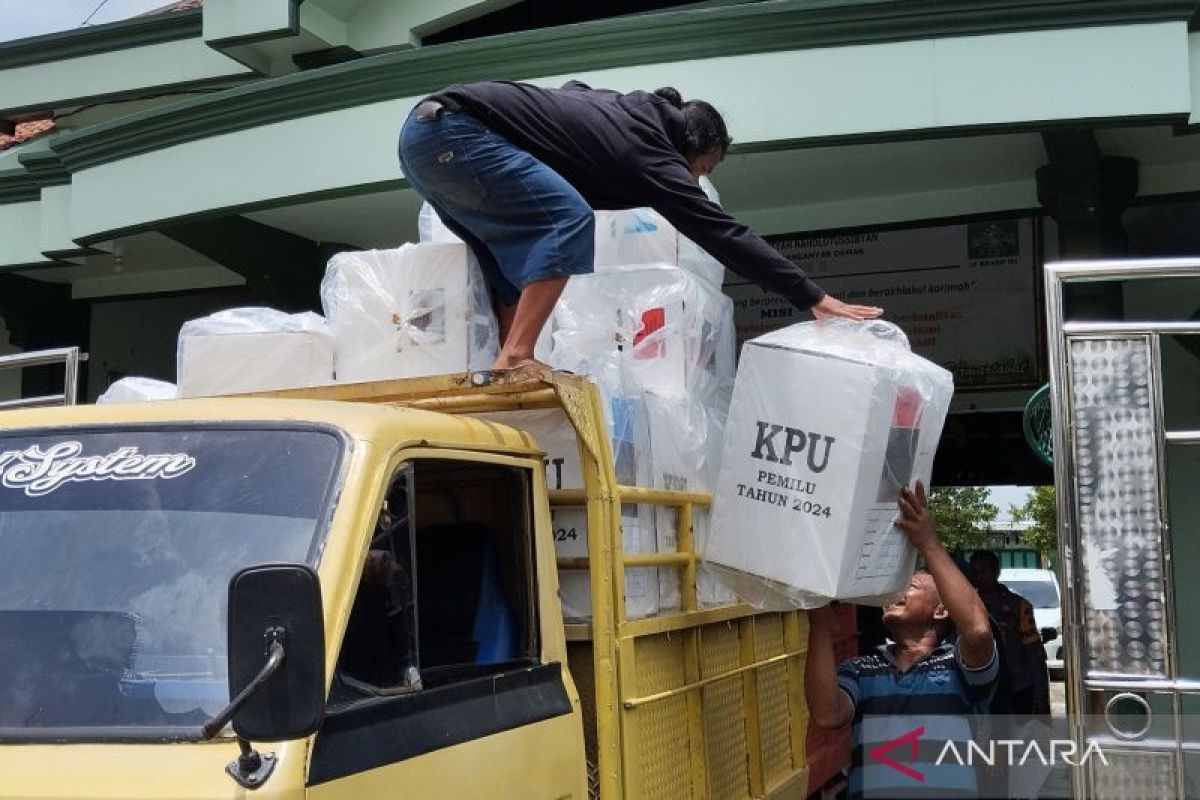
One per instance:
[(910, 696)]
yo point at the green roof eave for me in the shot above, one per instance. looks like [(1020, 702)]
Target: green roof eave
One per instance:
[(18, 186), (624, 41), (45, 167), (106, 38), (29, 166)]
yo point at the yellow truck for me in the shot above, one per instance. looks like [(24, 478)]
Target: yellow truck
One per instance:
[(352, 592)]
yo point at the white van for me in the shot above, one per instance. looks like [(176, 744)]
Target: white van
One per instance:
[(1040, 587)]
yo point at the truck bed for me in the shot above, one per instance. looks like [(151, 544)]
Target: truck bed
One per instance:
[(700, 702)]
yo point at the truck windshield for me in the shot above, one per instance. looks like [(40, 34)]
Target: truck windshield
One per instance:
[(116, 551)]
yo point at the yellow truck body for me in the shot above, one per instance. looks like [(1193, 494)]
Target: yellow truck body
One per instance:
[(698, 703)]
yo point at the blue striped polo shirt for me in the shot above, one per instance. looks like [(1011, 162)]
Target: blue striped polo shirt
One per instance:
[(903, 720)]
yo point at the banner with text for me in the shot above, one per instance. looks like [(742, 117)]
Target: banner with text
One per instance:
[(963, 293)]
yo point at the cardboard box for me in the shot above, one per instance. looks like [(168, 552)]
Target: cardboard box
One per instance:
[(252, 350), (422, 309), (828, 421)]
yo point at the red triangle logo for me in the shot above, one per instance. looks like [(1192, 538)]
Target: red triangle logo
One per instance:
[(912, 738)]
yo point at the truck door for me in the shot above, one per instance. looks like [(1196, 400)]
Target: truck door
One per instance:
[(1125, 358), (449, 682)]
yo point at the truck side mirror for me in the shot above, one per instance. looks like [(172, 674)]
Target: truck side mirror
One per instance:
[(276, 652), (1049, 634)]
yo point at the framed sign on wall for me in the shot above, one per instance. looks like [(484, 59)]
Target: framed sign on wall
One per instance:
[(965, 293)]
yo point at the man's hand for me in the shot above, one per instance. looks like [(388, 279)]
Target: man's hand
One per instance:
[(828, 307), (824, 619), (966, 610), (915, 519)]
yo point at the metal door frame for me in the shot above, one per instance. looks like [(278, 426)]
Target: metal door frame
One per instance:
[(1060, 335)]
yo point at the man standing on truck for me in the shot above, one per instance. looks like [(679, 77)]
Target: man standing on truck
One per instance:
[(515, 171), (922, 673)]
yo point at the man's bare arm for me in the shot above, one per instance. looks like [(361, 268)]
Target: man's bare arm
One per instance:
[(967, 611), (828, 705)]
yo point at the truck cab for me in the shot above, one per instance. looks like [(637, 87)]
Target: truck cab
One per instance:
[(122, 530)]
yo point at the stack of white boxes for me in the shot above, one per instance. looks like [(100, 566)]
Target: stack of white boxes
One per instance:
[(652, 328), (659, 342), (631, 237), (421, 309), (253, 350), (829, 420)]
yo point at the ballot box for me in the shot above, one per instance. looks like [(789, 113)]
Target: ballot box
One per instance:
[(137, 390), (431, 228), (251, 350), (828, 421), (643, 236), (421, 309), (666, 330)]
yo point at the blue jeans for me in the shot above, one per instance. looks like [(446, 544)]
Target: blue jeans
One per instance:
[(523, 221)]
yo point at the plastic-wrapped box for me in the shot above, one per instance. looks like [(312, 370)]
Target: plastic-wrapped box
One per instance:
[(685, 448), (661, 333), (432, 230), (137, 390), (669, 332), (828, 421), (556, 436), (253, 350), (422, 309), (643, 236)]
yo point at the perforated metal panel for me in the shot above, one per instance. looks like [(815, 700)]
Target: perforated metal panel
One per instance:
[(1119, 527), (660, 729), (724, 719), (1133, 776)]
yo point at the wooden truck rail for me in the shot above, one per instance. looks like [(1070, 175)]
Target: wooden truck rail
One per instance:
[(696, 703)]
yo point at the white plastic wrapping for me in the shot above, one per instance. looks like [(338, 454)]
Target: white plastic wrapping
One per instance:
[(642, 236), (828, 421), (431, 229), (685, 440), (660, 334), (422, 309), (137, 390), (555, 435), (253, 350), (660, 327)]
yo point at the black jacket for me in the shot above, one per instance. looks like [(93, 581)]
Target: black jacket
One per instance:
[(625, 151)]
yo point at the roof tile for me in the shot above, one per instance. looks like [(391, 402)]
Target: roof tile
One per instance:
[(26, 131), (181, 5)]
